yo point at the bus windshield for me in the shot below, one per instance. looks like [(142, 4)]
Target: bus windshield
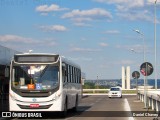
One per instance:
[(35, 77)]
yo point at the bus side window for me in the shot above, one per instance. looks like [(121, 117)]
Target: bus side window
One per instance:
[(70, 68), (6, 71), (73, 75), (79, 76), (64, 69), (70, 71), (76, 76), (66, 73)]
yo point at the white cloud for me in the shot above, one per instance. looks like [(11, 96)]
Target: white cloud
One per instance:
[(138, 48), (151, 2), (124, 5), (80, 59), (131, 4), (126, 62), (111, 1), (116, 63), (95, 12), (133, 10), (76, 49), (15, 38), (103, 44), (51, 8), (55, 28), (81, 19), (81, 16), (137, 16), (122, 62), (23, 41), (112, 32), (80, 24)]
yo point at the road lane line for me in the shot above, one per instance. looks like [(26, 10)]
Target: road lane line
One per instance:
[(127, 108)]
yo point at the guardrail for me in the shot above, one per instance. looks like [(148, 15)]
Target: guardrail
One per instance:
[(106, 90), (152, 98), (95, 90), (125, 91)]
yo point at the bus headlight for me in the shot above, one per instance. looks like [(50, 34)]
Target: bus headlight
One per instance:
[(57, 95), (12, 96)]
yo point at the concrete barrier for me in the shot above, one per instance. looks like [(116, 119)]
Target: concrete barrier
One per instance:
[(124, 91), (152, 98)]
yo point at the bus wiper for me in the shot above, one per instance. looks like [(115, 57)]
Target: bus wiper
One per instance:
[(44, 71)]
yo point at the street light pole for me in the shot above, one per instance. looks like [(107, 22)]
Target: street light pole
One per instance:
[(144, 51), (155, 44), (133, 50), (97, 82), (145, 78)]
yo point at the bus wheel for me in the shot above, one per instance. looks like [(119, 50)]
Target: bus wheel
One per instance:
[(64, 112), (76, 105)]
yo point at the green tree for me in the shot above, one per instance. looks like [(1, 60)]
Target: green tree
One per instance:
[(88, 85)]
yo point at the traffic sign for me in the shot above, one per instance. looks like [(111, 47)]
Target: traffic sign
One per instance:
[(135, 74), (146, 69)]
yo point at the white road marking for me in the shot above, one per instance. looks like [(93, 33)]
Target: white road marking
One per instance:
[(92, 104), (127, 108)]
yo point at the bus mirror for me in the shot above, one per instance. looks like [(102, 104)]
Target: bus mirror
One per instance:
[(6, 72)]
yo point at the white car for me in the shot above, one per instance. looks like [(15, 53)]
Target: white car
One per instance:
[(115, 92)]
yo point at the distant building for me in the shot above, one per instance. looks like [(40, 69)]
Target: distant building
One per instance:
[(83, 77), (126, 77), (123, 78)]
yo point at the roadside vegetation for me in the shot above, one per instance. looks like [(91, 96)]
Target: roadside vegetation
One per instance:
[(104, 89), (89, 85)]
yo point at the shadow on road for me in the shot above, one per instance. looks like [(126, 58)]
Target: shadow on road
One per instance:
[(47, 115)]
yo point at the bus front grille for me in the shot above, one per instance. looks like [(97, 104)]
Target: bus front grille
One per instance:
[(40, 107), (34, 94)]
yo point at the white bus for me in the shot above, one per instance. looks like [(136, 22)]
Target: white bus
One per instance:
[(44, 82)]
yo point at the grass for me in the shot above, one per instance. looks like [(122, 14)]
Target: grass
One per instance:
[(106, 91)]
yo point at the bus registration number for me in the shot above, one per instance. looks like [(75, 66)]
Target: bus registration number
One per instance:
[(34, 105)]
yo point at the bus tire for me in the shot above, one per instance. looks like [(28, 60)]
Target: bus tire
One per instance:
[(64, 112), (75, 109)]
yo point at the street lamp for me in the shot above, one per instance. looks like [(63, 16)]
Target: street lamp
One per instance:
[(144, 59), (155, 44), (133, 50), (144, 52)]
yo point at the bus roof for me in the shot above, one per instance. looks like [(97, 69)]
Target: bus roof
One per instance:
[(64, 59), (35, 54), (69, 62)]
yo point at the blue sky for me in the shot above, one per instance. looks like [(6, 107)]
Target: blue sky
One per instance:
[(96, 34)]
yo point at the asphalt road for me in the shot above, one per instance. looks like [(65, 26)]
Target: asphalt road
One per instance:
[(100, 107)]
